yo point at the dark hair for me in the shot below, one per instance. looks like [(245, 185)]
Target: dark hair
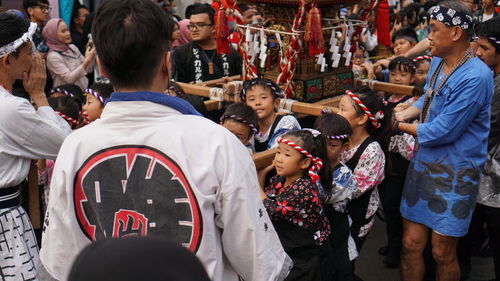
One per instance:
[(243, 112), (76, 12), (103, 89), (72, 89), (32, 3), (421, 61), (204, 9), (176, 88), (12, 28), (189, 9), (412, 11), (405, 32), (243, 7), (66, 105), (316, 146), (276, 91), (402, 64), (461, 8), (375, 103), (333, 125), (490, 28), (131, 54)]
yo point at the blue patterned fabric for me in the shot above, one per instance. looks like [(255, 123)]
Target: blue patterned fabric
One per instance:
[(442, 182)]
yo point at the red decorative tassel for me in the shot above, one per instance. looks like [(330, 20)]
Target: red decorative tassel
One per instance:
[(314, 32), (383, 29), (222, 32)]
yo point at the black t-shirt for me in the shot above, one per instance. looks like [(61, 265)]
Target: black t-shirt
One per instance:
[(184, 70)]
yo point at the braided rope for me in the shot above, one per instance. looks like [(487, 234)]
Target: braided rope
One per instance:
[(276, 91), (419, 58), (60, 90), (253, 128), (85, 117), (288, 64), (355, 98), (318, 163), (67, 118), (95, 94), (338, 137)]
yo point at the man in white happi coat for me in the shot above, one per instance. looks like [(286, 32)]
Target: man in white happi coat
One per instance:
[(152, 166), (26, 134)]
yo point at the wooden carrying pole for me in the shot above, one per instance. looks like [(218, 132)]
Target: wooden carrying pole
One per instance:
[(34, 197), (217, 82), (264, 158), (296, 107), (389, 87)]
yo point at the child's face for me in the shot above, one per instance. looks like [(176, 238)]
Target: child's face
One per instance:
[(289, 162), (402, 46), (240, 130), (401, 77), (421, 73), (93, 108), (260, 99), (359, 57), (333, 149), (347, 110)]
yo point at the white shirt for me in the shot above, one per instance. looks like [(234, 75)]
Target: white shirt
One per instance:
[(236, 238), (26, 134)]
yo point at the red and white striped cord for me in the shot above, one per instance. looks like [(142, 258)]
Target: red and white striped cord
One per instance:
[(422, 58), (374, 121), (70, 120), (317, 162)]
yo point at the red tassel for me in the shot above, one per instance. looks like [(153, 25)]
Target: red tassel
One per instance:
[(383, 29), (222, 32), (314, 32)]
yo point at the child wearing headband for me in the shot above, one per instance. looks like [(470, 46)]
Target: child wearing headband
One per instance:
[(241, 120), (263, 96), (68, 90), (371, 125), (422, 63), (402, 72), (97, 94), (66, 107), (337, 131), (293, 203)]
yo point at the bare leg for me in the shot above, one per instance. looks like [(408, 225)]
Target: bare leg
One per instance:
[(444, 251), (414, 240)]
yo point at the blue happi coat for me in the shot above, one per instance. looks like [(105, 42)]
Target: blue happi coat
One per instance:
[(442, 182)]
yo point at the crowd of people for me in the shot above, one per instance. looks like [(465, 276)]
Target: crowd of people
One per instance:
[(94, 106)]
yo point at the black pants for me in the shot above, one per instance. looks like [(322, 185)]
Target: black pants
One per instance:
[(482, 215), (391, 190)]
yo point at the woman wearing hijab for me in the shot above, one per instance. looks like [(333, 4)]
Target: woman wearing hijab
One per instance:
[(184, 36), (137, 259), (65, 62)]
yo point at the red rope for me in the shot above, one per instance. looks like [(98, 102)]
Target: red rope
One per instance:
[(69, 119), (374, 121), (317, 162)]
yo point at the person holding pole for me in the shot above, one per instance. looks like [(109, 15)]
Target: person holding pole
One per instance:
[(442, 183)]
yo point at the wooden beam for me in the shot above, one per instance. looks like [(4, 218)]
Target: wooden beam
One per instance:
[(264, 159), (389, 87), (34, 197), (220, 81), (297, 107), (211, 105)]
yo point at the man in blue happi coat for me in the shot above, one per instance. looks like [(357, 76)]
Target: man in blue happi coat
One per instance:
[(442, 183)]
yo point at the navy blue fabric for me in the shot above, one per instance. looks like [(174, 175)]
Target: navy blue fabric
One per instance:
[(176, 103)]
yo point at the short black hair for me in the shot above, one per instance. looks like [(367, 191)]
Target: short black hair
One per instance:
[(131, 54), (204, 9), (12, 28), (490, 29), (103, 89), (76, 12), (403, 64), (197, 103), (189, 9), (32, 3), (243, 7), (405, 32), (66, 105), (72, 89), (243, 112), (333, 125)]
